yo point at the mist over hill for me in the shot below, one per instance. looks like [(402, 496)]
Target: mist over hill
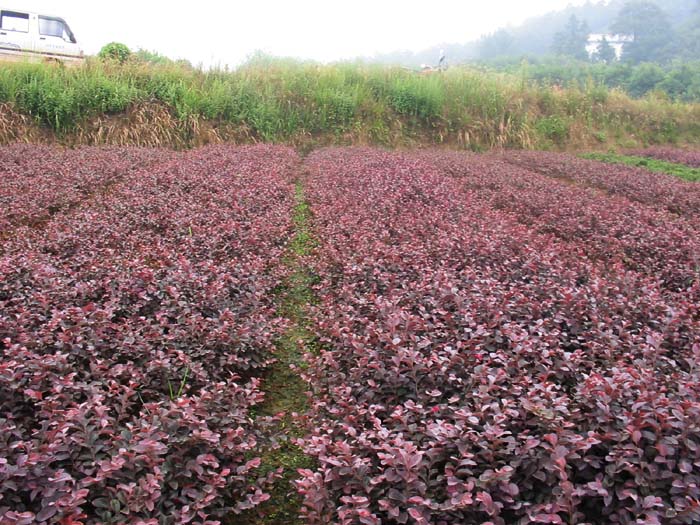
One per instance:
[(535, 37)]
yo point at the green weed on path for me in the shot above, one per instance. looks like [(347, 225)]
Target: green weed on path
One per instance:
[(285, 391)]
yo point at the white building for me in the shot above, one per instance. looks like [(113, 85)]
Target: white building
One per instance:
[(616, 41)]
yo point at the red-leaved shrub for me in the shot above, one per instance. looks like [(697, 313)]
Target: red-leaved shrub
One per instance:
[(638, 184), (477, 368), (39, 181), (134, 328)]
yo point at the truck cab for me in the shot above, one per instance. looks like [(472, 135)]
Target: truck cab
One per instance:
[(33, 36)]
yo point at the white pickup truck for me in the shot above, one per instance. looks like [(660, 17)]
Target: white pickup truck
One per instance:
[(37, 37)]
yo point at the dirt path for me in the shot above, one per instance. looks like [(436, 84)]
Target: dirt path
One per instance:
[(285, 391)]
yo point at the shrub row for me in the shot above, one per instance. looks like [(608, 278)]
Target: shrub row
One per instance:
[(657, 166), (679, 156), (133, 332), (636, 184), (621, 233), (39, 181), (477, 371)]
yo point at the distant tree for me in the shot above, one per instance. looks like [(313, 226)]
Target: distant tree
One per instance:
[(573, 39), (605, 52), (648, 24), (152, 57), (693, 91), (678, 81), (689, 36), (618, 74), (646, 78), (495, 45)]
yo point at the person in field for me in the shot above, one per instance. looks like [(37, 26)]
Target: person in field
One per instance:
[(442, 63)]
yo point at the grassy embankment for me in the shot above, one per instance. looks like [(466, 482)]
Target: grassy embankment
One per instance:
[(307, 105)]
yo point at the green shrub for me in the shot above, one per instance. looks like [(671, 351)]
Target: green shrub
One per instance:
[(115, 51), (553, 128), (600, 136)]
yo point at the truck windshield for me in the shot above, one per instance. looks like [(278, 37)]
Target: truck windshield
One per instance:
[(49, 26)]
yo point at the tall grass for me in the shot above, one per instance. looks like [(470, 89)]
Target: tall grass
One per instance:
[(286, 101)]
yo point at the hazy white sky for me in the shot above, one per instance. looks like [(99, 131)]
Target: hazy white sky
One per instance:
[(223, 32)]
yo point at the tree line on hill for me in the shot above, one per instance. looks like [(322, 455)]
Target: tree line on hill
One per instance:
[(660, 30), (652, 36)]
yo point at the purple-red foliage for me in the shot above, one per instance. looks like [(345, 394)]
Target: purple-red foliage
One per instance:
[(679, 156), (614, 230), (39, 181), (163, 283), (476, 370), (654, 189)]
